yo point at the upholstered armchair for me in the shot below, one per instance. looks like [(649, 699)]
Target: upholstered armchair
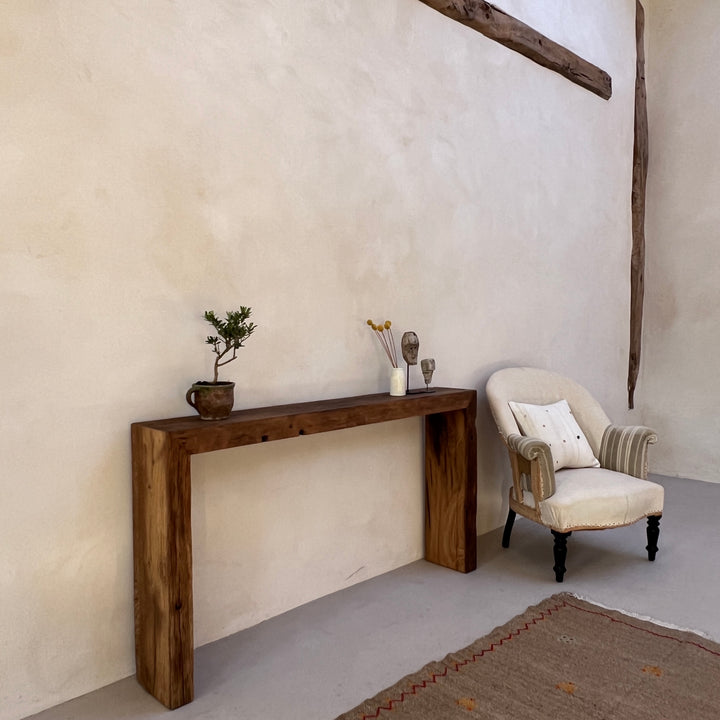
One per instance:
[(572, 469)]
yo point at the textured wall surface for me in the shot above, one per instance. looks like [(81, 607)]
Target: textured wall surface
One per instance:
[(323, 162), (682, 338)]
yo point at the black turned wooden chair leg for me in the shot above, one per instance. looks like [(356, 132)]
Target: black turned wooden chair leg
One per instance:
[(508, 528), (560, 553), (653, 532)]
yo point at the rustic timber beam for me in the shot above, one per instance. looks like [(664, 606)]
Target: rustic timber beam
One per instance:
[(516, 35), (639, 184)]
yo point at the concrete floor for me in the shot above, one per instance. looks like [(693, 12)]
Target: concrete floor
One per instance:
[(323, 658)]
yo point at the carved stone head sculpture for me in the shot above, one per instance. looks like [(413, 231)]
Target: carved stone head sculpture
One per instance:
[(428, 368), (410, 346)]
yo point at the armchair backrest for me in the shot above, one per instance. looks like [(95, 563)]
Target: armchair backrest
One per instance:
[(542, 387)]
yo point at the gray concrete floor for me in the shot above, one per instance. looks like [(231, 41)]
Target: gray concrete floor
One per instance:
[(324, 658)]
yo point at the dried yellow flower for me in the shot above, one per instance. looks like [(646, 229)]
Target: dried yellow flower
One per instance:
[(387, 342)]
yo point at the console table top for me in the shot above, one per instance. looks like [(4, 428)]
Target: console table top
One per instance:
[(256, 425)]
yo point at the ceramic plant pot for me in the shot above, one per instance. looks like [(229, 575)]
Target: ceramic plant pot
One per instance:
[(213, 401)]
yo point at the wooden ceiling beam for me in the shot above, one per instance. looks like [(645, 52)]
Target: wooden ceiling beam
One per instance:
[(639, 187), (516, 35)]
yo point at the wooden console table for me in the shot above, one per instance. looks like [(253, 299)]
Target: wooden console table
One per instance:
[(162, 542)]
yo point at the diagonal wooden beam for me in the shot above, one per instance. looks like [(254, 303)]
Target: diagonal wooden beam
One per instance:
[(639, 184), (516, 35)]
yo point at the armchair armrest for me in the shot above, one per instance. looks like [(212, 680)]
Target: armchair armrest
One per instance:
[(538, 465), (625, 449)]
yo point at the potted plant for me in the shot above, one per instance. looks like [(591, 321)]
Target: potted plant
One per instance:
[(214, 400)]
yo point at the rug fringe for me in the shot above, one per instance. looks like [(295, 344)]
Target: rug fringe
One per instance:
[(647, 618)]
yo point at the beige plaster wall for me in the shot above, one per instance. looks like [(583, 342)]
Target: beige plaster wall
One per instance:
[(324, 162), (680, 382)]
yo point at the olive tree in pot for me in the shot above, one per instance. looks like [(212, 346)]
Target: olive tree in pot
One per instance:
[(214, 400)]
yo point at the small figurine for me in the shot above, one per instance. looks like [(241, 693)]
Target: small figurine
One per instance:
[(428, 368), (410, 345)]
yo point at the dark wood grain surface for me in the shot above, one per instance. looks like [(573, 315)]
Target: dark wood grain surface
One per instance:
[(639, 184), (278, 422), (162, 530)]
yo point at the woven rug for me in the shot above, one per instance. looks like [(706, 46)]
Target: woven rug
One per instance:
[(564, 659)]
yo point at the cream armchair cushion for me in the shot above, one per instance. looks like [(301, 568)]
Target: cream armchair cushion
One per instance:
[(591, 498)]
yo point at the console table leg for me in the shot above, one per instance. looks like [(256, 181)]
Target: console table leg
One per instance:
[(162, 549), (451, 489)]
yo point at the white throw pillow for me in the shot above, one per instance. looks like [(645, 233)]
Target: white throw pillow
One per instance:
[(555, 425)]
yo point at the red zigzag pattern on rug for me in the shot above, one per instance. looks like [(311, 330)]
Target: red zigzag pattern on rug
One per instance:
[(455, 667)]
